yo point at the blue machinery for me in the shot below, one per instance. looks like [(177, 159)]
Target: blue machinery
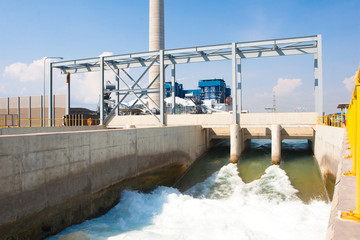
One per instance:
[(214, 89), (208, 89), (234, 52)]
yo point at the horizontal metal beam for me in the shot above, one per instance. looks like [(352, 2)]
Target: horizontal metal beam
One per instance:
[(277, 41), (220, 52), (196, 59)]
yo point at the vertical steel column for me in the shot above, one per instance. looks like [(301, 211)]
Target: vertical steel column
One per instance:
[(162, 81), (117, 80), (318, 85), (68, 104), (234, 84), (18, 112), (173, 89), (101, 90), (54, 110), (239, 89), (8, 106), (41, 111), (320, 76), (29, 111), (50, 95)]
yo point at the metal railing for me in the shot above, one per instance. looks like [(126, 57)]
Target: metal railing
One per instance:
[(56, 122), (353, 130), (333, 120)]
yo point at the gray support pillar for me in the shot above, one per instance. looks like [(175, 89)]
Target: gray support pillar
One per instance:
[(68, 103), (235, 142), (239, 89), (41, 111), (50, 95), (101, 90), (117, 80), (234, 84), (29, 111), (162, 83), (318, 85), (8, 106), (54, 110), (156, 42), (311, 144), (18, 112), (173, 104), (275, 144)]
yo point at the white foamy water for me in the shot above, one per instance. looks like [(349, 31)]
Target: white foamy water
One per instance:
[(221, 207)]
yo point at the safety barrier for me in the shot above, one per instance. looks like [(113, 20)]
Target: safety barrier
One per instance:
[(353, 130), (38, 122), (333, 120)]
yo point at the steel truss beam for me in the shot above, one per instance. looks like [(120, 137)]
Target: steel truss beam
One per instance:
[(233, 52), (134, 91), (255, 49)]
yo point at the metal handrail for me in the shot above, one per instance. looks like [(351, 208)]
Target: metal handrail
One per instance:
[(333, 120), (353, 130), (57, 122)]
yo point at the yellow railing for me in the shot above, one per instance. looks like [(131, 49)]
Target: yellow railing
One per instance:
[(334, 120), (37, 122), (353, 130)]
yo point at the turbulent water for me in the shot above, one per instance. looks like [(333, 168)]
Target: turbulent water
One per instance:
[(215, 200)]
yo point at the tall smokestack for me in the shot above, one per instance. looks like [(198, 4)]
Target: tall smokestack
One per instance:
[(156, 42)]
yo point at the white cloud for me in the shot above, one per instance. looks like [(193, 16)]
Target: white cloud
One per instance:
[(104, 54), (286, 86), (25, 72), (87, 86), (349, 83), (27, 79)]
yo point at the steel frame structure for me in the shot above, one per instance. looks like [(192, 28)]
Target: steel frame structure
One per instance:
[(232, 52)]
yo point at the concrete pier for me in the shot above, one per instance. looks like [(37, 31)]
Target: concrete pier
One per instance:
[(252, 126), (235, 143), (275, 144)]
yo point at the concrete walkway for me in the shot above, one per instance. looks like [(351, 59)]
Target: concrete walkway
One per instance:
[(343, 200)]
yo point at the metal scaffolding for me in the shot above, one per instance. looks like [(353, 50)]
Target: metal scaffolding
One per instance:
[(232, 51)]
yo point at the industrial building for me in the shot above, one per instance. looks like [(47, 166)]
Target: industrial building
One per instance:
[(179, 90), (209, 89), (214, 89)]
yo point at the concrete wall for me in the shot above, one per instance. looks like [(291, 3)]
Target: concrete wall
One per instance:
[(343, 200), (205, 120), (49, 181), (219, 120), (283, 119), (329, 150), (25, 130)]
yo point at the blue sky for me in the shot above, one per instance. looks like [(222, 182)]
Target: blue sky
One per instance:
[(32, 30)]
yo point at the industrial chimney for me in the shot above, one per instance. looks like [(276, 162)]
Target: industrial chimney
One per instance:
[(156, 42)]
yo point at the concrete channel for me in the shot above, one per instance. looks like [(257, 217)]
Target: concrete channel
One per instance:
[(51, 180)]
